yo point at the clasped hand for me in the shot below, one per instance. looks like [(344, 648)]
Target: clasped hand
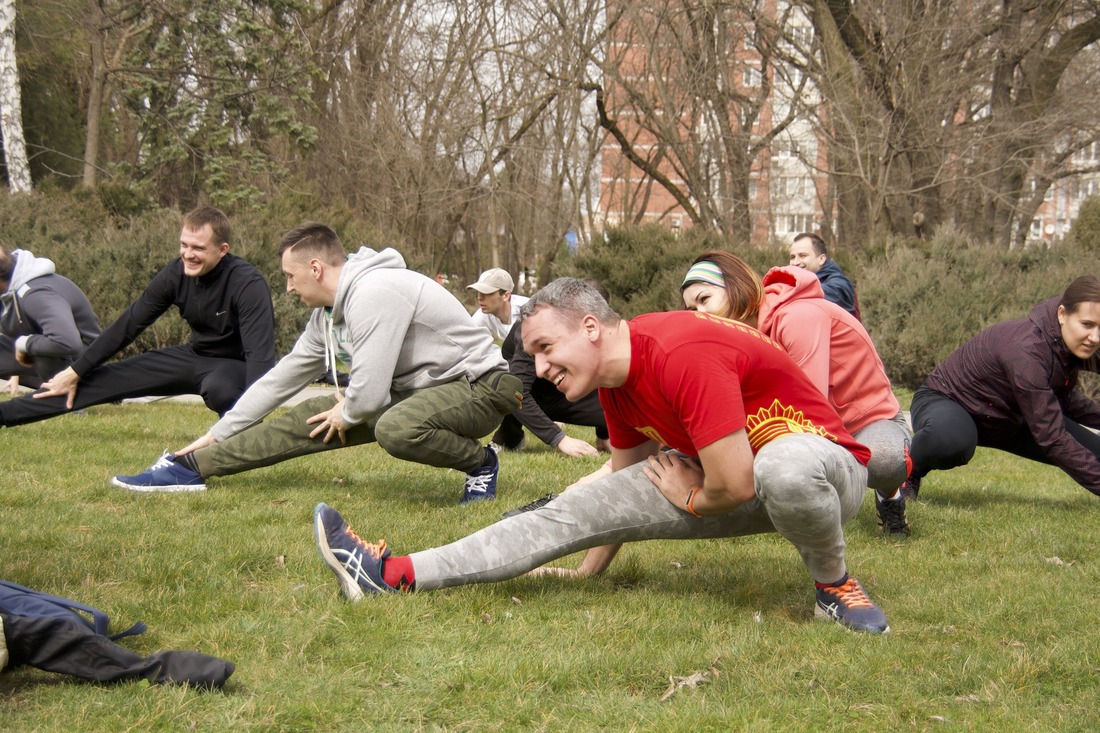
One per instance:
[(674, 475)]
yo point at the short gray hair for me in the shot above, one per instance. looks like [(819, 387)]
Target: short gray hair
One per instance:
[(574, 298)]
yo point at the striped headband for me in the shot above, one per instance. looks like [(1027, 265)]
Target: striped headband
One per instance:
[(704, 272)]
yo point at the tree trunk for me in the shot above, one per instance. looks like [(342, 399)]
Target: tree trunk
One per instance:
[(95, 94), (11, 108)]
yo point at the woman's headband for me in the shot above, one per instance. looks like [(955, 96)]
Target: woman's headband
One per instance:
[(704, 272)]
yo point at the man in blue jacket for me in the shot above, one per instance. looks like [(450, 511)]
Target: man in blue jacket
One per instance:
[(808, 252)]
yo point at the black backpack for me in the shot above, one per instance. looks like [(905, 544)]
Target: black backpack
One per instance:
[(20, 601)]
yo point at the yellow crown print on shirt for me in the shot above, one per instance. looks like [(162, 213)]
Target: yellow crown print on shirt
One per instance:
[(779, 420)]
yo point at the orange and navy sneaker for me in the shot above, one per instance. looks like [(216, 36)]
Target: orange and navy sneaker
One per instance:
[(846, 603), (356, 563)]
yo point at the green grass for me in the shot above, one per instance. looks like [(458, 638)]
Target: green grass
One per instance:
[(989, 633)]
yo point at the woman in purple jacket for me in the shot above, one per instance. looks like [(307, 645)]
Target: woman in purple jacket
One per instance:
[(1012, 387)]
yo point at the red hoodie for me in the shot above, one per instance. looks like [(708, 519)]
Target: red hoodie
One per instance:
[(830, 346)]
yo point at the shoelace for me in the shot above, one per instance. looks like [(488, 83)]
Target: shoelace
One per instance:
[(850, 594), (478, 484), (162, 462), (374, 549), (893, 510)]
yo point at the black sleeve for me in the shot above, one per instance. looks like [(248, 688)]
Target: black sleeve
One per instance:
[(157, 298), (256, 318), (58, 335), (530, 415)]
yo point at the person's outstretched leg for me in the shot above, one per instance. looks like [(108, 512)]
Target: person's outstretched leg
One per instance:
[(276, 440), (162, 372), (622, 507)]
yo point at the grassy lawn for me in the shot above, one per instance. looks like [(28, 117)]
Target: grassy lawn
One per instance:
[(993, 603)]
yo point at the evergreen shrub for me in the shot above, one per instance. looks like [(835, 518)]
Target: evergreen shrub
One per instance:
[(921, 300), (642, 267), (1086, 227)]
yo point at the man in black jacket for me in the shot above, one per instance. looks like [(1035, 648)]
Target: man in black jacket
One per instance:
[(543, 404), (224, 299)]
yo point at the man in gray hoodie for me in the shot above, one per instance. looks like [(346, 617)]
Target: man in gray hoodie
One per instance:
[(425, 382), (45, 319)]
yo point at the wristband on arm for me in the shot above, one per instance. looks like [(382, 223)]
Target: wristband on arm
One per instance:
[(688, 505)]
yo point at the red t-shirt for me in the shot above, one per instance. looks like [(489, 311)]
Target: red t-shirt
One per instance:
[(695, 378)]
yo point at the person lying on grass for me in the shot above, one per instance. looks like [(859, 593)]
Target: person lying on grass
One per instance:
[(754, 447)]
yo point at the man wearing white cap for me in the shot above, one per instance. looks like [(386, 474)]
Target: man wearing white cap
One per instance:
[(498, 308)]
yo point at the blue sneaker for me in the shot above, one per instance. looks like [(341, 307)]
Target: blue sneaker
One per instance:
[(165, 475), (481, 483), (848, 604), (357, 564)]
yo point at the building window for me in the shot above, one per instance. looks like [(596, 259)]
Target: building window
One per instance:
[(793, 223), (752, 76)]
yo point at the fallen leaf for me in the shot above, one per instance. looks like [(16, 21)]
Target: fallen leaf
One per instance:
[(280, 561), (675, 683), (1059, 561), (517, 601)]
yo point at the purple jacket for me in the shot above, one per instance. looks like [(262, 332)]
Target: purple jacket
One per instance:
[(1020, 373)]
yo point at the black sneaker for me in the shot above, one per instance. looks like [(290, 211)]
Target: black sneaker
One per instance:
[(891, 516), (911, 487), (536, 504)]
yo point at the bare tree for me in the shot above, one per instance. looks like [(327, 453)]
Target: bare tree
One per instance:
[(688, 98), (943, 111), (458, 125)]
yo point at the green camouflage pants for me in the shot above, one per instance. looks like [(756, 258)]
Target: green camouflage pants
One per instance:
[(439, 426)]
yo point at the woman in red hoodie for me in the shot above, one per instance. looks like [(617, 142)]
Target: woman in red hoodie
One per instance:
[(830, 346), (1012, 387)]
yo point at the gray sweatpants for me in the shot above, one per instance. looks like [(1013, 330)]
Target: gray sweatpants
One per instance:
[(889, 443), (806, 488)]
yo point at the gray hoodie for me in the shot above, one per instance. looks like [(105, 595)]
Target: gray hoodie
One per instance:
[(397, 331), (47, 314)]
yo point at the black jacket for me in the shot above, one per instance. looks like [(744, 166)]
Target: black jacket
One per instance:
[(229, 310)]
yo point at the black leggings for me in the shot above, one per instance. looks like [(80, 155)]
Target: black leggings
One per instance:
[(945, 435), (172, 371)]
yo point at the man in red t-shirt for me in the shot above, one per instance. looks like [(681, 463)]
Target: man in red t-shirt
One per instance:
[(754, 448)]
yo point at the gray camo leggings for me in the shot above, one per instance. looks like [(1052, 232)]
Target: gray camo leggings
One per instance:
[(806, 488)]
